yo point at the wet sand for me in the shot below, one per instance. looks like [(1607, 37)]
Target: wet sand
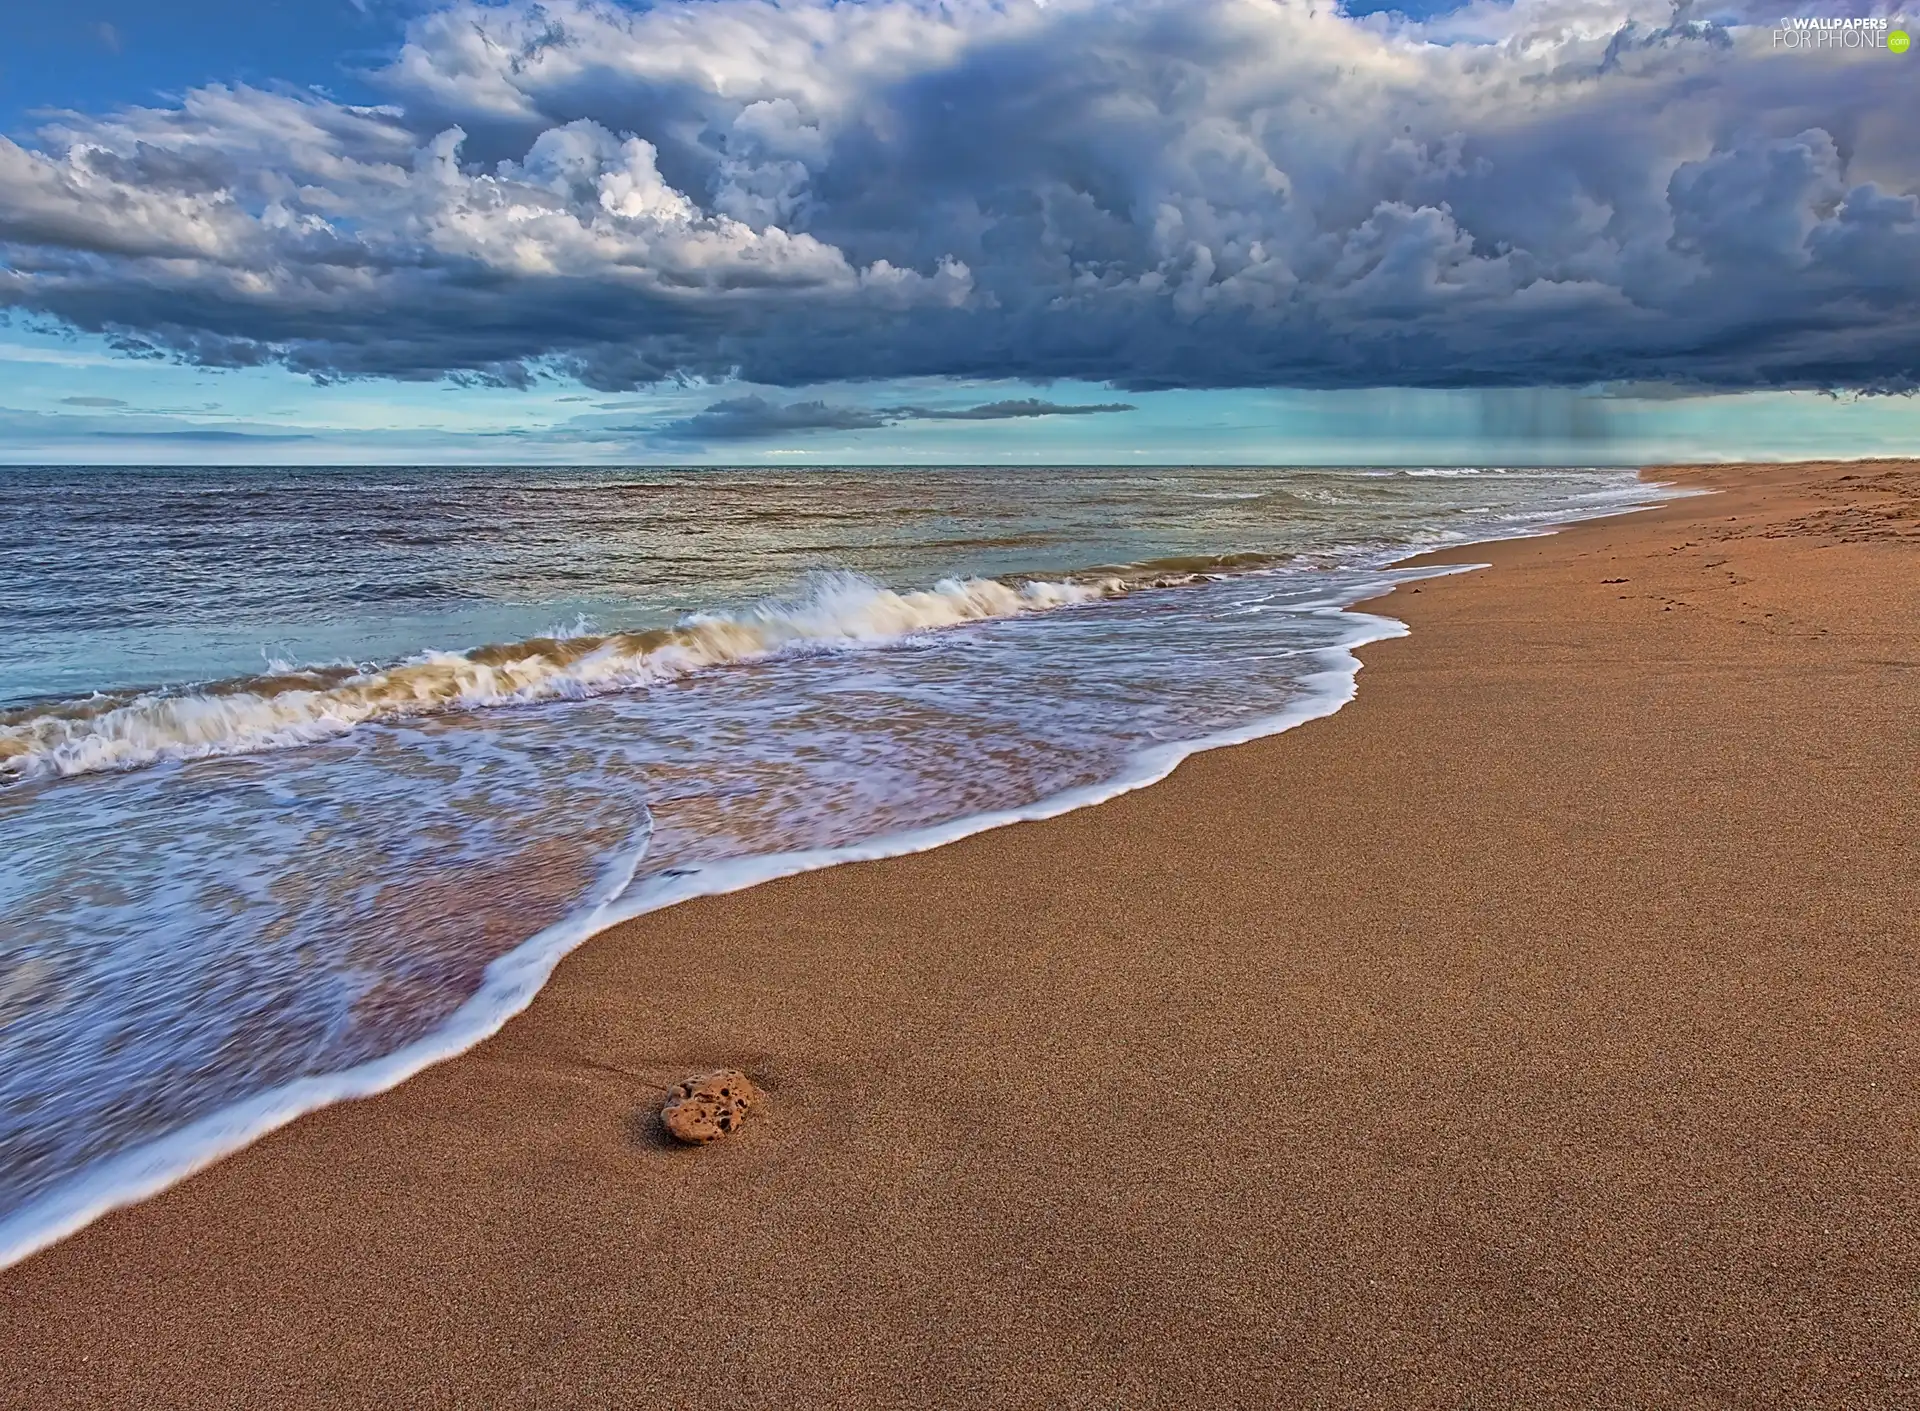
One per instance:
[(1541, 1030)]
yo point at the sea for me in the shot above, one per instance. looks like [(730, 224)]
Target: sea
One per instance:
[(308, 778)]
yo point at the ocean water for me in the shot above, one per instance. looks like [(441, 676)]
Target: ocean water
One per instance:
[(308, 777)]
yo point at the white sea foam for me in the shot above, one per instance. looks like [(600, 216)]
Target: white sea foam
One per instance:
[(512, 981), (839, 610), (838, 613)]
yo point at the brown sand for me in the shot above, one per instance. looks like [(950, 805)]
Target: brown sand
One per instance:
[(1539, 1031)]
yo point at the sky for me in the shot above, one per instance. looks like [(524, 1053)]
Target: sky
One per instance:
[(909, 231)]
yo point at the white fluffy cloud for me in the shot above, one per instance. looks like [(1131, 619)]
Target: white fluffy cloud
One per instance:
[(1152, 192)]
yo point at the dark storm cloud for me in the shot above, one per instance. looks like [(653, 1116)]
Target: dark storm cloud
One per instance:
[(745, 418), (1151, 193), (753, 417), (1012, 410)]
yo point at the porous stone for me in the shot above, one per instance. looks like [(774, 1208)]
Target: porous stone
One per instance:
[(700, 1109)]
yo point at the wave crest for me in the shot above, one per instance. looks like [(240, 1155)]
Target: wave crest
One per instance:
[(838, 610)]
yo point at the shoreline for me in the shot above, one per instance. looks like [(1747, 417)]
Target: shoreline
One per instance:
[(805, 985), (147, 1171), (514, 980)]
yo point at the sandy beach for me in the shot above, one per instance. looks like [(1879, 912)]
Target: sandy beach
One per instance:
[(1543, 1029)]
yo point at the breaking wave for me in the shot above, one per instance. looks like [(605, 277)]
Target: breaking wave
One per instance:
[(301, 705), (293, 707)]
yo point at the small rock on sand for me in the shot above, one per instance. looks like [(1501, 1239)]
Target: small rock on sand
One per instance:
[(701, 1109)]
